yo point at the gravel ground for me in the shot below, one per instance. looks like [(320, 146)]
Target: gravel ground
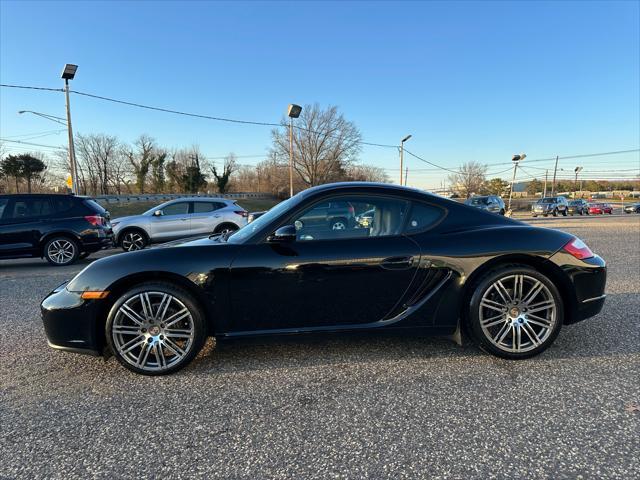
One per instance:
[(344, 408)]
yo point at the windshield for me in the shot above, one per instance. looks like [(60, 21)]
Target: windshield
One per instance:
[(547, 200), (478, 201), (575, 202), (248, 230)]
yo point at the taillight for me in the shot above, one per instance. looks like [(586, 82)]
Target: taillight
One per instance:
[(578, 249), (95, 220), (242, 213)]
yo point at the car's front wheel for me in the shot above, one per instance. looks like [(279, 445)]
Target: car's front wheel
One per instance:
[(132, 240), (155, 328), (61, 251), (515, 312), (224, 228)]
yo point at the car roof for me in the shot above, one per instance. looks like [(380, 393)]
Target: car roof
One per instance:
[(372, 186)]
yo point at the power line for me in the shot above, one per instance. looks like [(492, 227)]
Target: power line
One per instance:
[(32, 144), (32, 88)]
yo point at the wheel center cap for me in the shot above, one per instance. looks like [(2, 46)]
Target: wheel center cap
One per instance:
[(514, 312), (154, 330)]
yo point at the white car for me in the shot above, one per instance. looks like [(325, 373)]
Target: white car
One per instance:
[(185, 217)]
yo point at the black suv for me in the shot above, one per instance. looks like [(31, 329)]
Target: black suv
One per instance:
[(60, 228)]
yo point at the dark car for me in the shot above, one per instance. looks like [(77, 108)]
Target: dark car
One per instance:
[(60, 228), (427, 265), (578, 207), (632, 208), (490, 203), (550, 206), (336, 215)]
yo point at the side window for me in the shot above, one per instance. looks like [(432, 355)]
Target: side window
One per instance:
[(3, 205), (205, 207), (30, 208), (62, 205), (352, 217), (422, 217), (181, 208)]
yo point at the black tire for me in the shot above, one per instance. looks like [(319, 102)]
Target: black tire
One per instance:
[(555, 212), (196, 317), (61, 251), (133, 239), (502, 211), (534, 215), (84, 255), (484, 284), (226, 227), (564, 212)]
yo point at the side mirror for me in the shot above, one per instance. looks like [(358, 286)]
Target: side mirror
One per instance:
[(283, 234), (157, 213)]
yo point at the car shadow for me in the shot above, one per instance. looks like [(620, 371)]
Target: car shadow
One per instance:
[(597, 337)]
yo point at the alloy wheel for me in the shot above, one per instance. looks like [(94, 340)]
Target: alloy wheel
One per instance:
[(153, 331), (517, 313), (133, 241), (339, 225), (61, 251)]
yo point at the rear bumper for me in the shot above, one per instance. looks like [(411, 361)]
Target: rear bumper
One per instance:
[(71, 323)]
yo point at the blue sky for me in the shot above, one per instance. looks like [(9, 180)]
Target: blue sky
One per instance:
[(469, 80)]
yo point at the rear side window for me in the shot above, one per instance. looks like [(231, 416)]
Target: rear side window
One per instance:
[(3, 205), (423, 217), (204, 207)]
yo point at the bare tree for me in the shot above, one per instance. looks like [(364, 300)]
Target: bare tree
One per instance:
[(324, 144), (366, 173), (97, 154), (470, 179), (222, 177), (140, 159)]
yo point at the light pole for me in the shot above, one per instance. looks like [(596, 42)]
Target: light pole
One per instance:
[(577, 170), (293, 112), (68, 73), (515, 160), (402, 154), (53, 118)]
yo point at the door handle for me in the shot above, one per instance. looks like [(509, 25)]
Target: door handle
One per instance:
[(397, 263)]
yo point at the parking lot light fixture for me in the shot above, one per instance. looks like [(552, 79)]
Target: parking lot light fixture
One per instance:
[(53, 118), (515, 159), (69, 73), (402, 154), (292, 112)]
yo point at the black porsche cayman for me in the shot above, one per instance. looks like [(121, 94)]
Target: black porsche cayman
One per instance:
[(422, 264)]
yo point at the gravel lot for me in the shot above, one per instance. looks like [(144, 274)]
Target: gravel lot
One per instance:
[(318, 408)]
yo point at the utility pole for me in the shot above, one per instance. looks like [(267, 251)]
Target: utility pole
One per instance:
[(546, 174), (406, 174), (555, 169)]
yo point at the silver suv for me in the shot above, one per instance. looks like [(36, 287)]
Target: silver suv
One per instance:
[(550, 206), (176, 219)]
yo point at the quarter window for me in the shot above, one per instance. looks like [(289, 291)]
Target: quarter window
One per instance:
[(422, 217), (352, 217)]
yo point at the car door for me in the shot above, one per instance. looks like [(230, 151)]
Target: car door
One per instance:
[(326, 279), (204, 217), (173, 223), (22, 223)]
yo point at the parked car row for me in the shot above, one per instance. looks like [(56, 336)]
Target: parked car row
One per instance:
[(64, 228)]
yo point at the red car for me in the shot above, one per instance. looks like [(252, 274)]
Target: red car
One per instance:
[(600, 209)]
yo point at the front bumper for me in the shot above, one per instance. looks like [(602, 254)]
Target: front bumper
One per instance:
[(71, 323), (586, 285)]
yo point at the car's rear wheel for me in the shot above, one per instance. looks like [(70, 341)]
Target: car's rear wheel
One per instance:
[(515, 312), (555, 212), (564, 212), (339, 224), (226, 228), (133, 239), (61, 251), (155, 328)]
